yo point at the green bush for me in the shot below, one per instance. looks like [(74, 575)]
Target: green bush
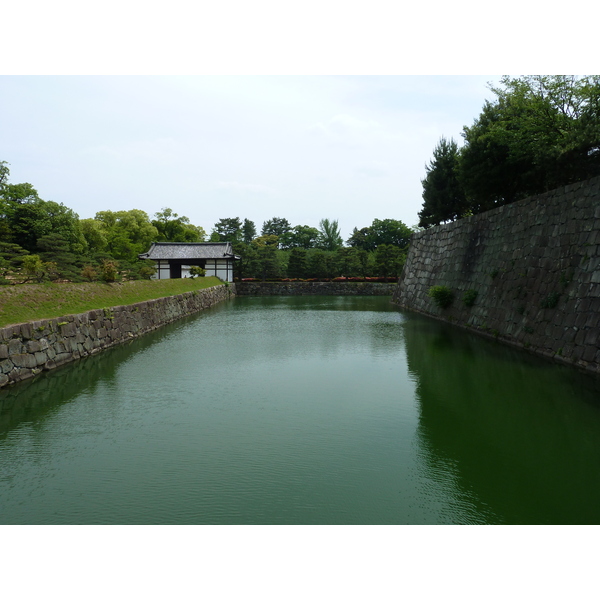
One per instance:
[(469, 297), (442, 295), (197, 272)]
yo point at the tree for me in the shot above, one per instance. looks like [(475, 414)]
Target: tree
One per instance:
[(443, 195), (128, 232), (389, 260), (94, 233), (276, 226), (348, 262), (248, 231), (4, 174), (11, 260), (361, 238), (297, 263), (53, 248), (321, 264), (300, 236), (263, 260), (173, 228), (227, 230), (279, 227), (540, 133), (390, 232), (329, 235), (35, 269)]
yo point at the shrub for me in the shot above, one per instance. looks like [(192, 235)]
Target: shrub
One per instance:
[(109, 271), (197, 272), (88, 272), (469, 297), (442, 295)]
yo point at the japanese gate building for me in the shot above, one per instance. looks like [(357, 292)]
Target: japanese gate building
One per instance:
[(174, 259)]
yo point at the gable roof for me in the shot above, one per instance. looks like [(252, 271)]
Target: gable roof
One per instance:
[(184, 250)]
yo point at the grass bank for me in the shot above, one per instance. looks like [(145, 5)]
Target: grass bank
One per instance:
[(22, 303)]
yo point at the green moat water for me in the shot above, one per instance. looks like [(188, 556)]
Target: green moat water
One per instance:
[(303, 410)]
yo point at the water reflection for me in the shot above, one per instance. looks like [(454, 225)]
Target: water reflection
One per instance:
[(302, 410), (519, 436)]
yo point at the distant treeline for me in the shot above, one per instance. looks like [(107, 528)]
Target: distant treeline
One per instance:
[(43, 240), (540, 133)]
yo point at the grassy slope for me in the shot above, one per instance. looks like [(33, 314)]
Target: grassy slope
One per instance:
[(22, 303)]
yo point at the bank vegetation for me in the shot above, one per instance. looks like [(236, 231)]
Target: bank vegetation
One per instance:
[(33, 302)]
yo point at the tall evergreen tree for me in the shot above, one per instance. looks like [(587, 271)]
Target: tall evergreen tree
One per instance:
[(443, 195)]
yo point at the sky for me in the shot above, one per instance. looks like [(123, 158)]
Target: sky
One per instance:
[(304, 148)]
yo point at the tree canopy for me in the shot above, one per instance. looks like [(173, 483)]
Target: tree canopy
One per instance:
[(540, 132)]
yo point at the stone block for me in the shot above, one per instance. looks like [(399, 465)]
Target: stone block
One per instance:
[(40, 358), (68, 330), (24, 360), (18, 374), (15, 346), (33, 346), (3, 351), (26, 331)]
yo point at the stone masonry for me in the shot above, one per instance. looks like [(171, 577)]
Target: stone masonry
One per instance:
[(30, 348), (534, 267), (314, 288)]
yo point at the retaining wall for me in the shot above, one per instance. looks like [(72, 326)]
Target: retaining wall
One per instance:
[(313, 288), (30, 348), (535, 266)]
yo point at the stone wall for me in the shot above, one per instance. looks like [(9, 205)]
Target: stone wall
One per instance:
[(534, 266), (314, 288), (30, 348)]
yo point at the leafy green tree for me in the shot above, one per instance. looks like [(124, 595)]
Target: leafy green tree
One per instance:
[(297, 263), (389, 260), (4, 174), (443, 195), (263, 261), (321, 264), (94, 232), (241, 267), (490, 176), (25, 217), (128, 233), (276, 226), (329, 235), (173, 228), (541, 132), (361, 238), (390, 232), (300, 236), (35, 269), (227, 230), (348, 262)]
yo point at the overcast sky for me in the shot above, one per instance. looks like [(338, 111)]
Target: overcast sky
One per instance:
[(88, 117), (351, 148)]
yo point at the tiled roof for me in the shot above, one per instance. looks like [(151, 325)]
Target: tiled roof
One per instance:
[(183, 250)]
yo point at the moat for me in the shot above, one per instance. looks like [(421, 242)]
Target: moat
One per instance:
[(303, 410)]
